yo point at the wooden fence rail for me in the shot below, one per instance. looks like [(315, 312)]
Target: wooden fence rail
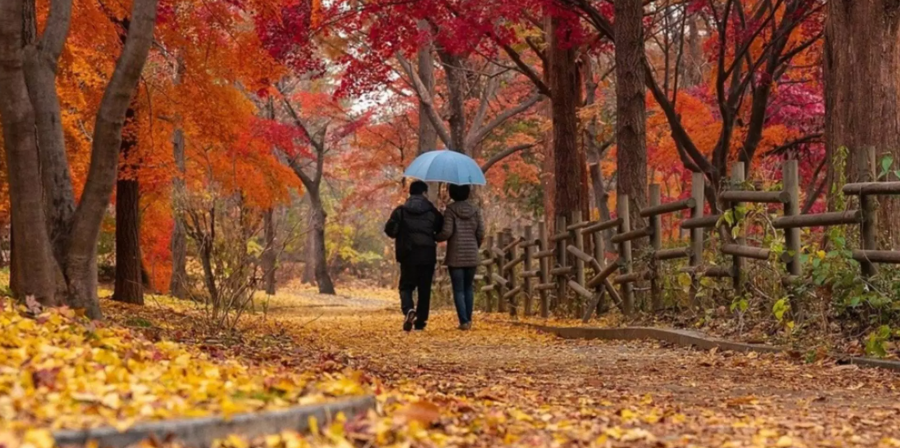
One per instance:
[(574, 260)]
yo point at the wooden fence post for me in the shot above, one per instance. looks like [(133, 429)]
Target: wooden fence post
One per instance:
[(500, 258), (544, 263), (510, 274), (791, 181), (867, 205), (493, 287), (562, 261), (697, 192), (529, 250), (578, 242), (622, 209), (600, 255), (656, 244), (737, 263)]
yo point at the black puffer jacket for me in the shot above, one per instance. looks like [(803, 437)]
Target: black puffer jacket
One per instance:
[(414, 226)]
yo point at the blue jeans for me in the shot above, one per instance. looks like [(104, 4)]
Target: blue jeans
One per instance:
[(463, 280)]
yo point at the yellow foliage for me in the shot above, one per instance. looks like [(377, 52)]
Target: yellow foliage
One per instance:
[(59, 371)]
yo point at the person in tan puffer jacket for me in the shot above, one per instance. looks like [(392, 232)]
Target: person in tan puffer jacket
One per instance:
[(464, 232)]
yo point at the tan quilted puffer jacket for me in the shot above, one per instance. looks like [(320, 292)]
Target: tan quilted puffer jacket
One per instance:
[(464, 231)]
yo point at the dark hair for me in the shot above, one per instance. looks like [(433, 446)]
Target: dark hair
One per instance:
[(418, 187), (459, 192)]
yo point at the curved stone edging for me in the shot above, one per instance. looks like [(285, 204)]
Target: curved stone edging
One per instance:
[(686, 338), (201, 432)]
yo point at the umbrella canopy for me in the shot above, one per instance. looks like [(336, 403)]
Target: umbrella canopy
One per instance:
[(446, 166)]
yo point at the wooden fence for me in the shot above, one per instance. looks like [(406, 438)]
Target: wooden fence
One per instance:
[(571, 262)]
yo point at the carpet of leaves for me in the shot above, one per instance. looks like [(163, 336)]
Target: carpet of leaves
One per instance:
[(57, 370), (500, 385)]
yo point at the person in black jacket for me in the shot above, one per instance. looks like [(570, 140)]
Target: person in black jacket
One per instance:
[(414, 225)]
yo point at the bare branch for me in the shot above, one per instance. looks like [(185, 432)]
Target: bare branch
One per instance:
[(811, 138), (811, 198), (486, 96), (318, 145), (526, 69), (426, 99), (477, 135), (504, 154)]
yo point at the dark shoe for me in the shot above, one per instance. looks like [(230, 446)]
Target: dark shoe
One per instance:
[(467, 326), (410, 318)]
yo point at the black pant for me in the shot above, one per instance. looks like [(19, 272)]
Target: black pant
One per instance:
[(413, 277)]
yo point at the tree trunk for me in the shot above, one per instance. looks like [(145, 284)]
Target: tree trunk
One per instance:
[(309, 254), (269, 254), (692, 65), (81, 257), (317, 219), (205, 246), (128, 286), (456, 87), (594, 150), (564, 83), (22, 120), (427, 133), (427, 137), (601, 197), (548, 169), (862, 59), (33, 250), (14, 280), (631, 116), (41, 61), (178, 283), (548, 165)]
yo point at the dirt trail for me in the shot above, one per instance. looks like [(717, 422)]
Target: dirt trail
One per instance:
[(504, 385)]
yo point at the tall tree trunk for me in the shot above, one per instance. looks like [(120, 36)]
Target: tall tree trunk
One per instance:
[(548, 169), (41, 61), (270, 252), (33, 249), (692, 65), (205, 251), (178, 283), (427, 133), (548, 165), (81, 256), (594, 149), (14, 280), (456, 87), (569, 165), (21, 119), (427, 137), (323, 280), (631, 116), (601, 198), (309, 254), (128, 286), (862, 60)]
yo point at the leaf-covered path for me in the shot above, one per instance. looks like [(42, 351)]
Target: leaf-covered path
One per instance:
[(504, 385)]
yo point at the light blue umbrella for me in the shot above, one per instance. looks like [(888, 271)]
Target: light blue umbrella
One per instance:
[(446, 166)]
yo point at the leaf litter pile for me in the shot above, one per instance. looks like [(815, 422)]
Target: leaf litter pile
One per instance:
[(500, 385), (59, 371)]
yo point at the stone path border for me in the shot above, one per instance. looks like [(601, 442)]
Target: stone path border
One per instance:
[(685, 338), (201, 432)]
